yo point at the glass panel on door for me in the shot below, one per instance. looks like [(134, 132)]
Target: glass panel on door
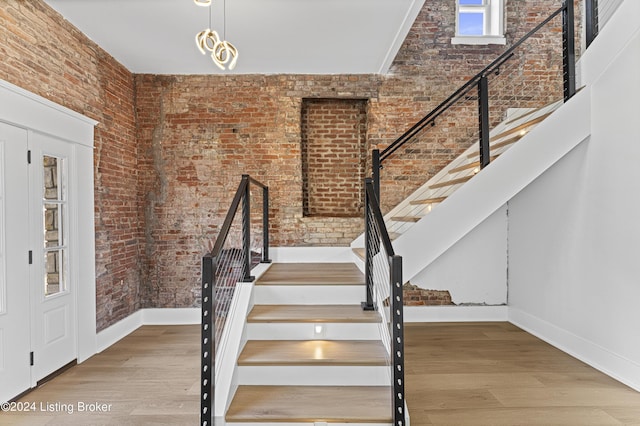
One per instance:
[(54, 205)]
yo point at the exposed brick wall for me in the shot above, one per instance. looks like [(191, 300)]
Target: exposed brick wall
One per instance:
[(170, 149), (197, 135), (334, 152), (44, 54), (412, 295)]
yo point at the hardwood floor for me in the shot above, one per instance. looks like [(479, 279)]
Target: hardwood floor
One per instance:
[(496, 374), (150, 377), (457, 374)]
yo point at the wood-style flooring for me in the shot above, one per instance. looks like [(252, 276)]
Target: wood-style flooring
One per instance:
[(496, 374), (456, 375), (150, 377)]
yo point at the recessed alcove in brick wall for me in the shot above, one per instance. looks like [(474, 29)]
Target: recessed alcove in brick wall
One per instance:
[(333, 142)]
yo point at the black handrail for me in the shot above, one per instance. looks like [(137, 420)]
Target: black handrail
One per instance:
[(209, 269), (465, 88), (377, 238)]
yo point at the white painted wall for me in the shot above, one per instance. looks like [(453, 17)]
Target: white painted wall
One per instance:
[(473, 270), (574, 234)]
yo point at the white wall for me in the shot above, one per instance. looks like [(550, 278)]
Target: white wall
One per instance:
[(574, 233), (473, 270)]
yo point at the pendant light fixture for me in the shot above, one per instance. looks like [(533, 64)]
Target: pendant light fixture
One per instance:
[(221, 51)]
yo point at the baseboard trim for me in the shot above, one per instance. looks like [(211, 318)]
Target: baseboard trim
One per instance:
[(455, 313), (171, 316), (620, 368), (119, 330), (151, 316)]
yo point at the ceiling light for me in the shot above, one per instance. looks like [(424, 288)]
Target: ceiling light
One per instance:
[(222, 52)]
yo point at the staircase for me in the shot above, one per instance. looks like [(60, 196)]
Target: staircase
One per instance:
[(517, 124), (312, 355)]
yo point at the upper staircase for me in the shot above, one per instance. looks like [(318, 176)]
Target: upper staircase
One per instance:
[(517, 123)]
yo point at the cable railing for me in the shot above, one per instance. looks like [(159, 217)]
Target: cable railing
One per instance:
[(524, 76), (597, 14), (242, 243), (383, 278)]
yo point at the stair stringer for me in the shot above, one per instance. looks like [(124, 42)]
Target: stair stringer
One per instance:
[(480, 197)]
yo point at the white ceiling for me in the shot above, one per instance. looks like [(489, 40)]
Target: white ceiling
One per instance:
[(272, 36)]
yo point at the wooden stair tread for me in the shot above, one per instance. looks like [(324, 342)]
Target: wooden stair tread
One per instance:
[(506, 142), (427, 201), (406, 218), (308, 404), (313, 353), (471, 165), (451, 182), (360, 252), (312, 274), (513, 139), (497, 145), (311, 314), (522, 126)]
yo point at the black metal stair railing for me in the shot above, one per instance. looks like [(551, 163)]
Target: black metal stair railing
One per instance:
[(238, 247), (597, 14), (518, 63), (383, 278)]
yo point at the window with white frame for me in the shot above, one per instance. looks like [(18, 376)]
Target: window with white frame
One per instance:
[(479, 22)]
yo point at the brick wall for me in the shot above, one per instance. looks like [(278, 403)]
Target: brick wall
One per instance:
[(170, 149), (334, 151), (44, 54), (197, 136)]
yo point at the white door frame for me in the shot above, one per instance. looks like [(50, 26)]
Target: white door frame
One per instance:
[(15, 324), (24, 109)]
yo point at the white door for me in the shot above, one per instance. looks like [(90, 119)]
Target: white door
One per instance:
[(53, 286), (15, 370)]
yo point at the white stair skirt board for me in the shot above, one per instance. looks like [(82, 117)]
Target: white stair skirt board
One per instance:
[(306, 331), (309, 294), (455, 313), (232, 341), (314, 376), (622, 369)]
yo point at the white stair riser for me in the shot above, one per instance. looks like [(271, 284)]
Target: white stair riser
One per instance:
[(305, 424), (305, 331), (314, 376), (308, 294)]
